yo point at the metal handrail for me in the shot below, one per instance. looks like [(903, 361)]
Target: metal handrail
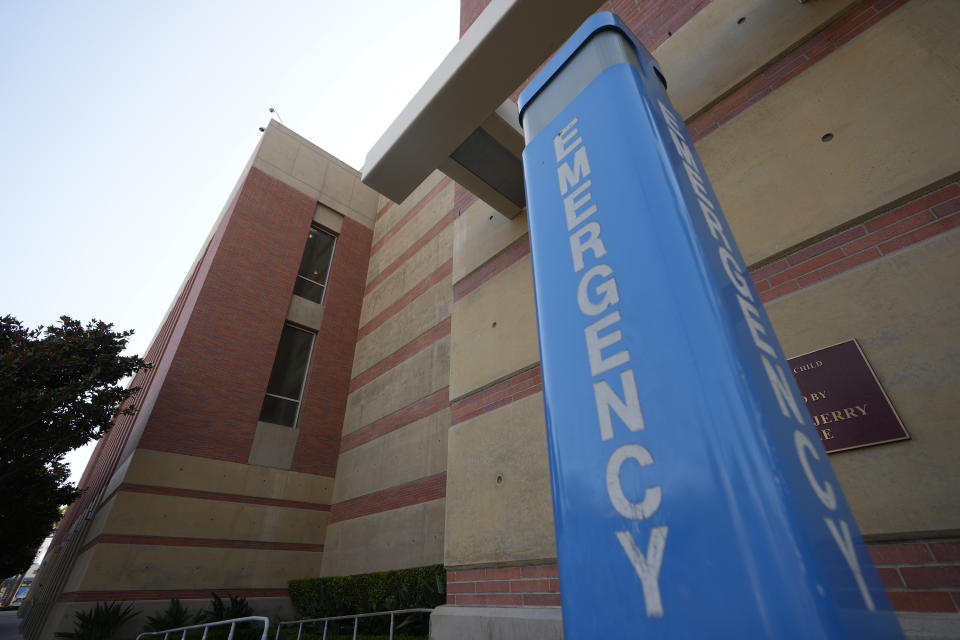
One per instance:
[(206, 627), (356, 621)]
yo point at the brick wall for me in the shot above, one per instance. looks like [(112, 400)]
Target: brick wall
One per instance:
[(528, 586), (920, 576), (510, 254), (212, 394), (653, 22), (516, 387), (779, 71), (396, 420), (918, 218), (915, 219), (470, 10), (213, 367), (328, 380), (404, 495), (123, 436)]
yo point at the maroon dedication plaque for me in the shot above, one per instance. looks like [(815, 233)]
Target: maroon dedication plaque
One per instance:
[(848, 406)]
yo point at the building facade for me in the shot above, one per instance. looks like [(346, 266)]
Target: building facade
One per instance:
[(829, 131)]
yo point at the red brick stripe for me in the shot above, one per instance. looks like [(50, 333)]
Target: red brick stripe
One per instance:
[(777, 74), (400, 418), (520, 385), (910, 553), (529, 586), (166, 594), (930, 580), (415, 346), (109, 449), (404, 495), (409, 215), (652, 24), (945, 576), (922, 601), (920, 575), (916, 220), (383, 210), (470, 10), (420, 242), (463, 198), (420, 288), (656, 21), (946, 551), (511, 254), (211, 495), (170, 541)]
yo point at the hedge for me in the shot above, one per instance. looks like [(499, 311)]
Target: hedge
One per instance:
[(418, 587)]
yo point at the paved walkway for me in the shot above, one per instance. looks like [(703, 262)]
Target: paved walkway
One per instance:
[(9, 622)]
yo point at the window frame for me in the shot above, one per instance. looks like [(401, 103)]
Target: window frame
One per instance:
[(303, 382), (322, 285)]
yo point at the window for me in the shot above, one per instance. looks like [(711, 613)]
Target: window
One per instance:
[(282, 403), (315, 265)]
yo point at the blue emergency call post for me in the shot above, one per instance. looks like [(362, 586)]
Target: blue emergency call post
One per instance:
[(691, 494)]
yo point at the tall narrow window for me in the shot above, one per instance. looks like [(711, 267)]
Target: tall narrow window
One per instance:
[(315, 265), (282, 403)]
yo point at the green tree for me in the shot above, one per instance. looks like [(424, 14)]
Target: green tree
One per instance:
[(59, 389)]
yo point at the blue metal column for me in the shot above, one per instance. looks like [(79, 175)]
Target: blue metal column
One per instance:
[(691, 494)]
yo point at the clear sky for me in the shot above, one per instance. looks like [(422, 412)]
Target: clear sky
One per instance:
[(127, 124)]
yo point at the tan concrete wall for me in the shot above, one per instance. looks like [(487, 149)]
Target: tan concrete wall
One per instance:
[(414, 451), (411, 380), (306, 313), (273, 445), (406, 235), (99, 520), (328, 218), (300, 164), (479, 233), (118, 476), (177, 516), (78, 571), (383, 201), (713, 52), (421, 264), (144, 514), (509, 521), (424, 312), (411, 535), (494, 330), (406, 537), (889, 96), (158, 468), (397, 211), (905, 311), (780, 186), (132, 567)]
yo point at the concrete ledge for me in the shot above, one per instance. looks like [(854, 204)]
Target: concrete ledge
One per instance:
[(491, 623), (929, 626)]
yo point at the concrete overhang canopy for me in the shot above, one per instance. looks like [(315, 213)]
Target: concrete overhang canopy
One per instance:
[(459, 122)]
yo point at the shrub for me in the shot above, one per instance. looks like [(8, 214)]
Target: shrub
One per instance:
[(233, 608), (174, 616), (238, 608), (101, 622), (415, 588)]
